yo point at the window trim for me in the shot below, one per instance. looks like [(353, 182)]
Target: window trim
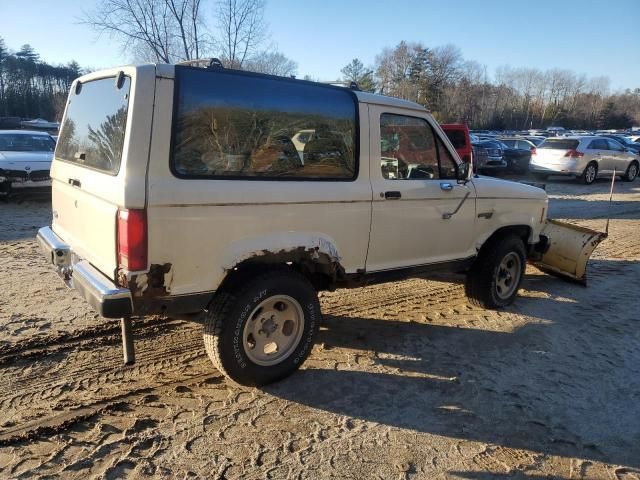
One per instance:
[(126, 125), (228, 71), (436, 136)]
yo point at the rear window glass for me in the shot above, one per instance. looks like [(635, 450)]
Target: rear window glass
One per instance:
[(92, 134), (559, 144), (457, 138), (20, 142), (237, 125)]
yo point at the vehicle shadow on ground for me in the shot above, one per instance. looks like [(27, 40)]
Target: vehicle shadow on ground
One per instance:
[(546, 386)]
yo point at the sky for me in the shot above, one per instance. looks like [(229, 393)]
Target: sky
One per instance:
[(590, 36)]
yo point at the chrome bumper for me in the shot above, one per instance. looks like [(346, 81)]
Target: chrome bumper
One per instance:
[(102, 294)]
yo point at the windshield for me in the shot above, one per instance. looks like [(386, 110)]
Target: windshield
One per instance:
[(93, 130), (559, 144), (21, 142)]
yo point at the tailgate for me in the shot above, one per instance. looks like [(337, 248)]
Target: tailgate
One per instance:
[(100, 161)]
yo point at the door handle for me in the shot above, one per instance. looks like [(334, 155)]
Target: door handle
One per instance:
[(74, 182), (393, 195), (446, 186)]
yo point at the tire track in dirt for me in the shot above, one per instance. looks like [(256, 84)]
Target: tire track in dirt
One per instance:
[(65, 379)]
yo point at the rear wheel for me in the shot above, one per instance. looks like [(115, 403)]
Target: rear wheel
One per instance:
[(262, 330), (632, 172), (495, 277), (590, 174)]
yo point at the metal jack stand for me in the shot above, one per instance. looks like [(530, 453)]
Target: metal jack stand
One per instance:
[(127, 341)]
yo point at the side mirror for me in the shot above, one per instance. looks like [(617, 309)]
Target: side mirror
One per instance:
[(464, 169)]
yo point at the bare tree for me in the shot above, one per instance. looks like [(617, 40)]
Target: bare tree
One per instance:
[(272, 63), (164, 30), (242, 29)]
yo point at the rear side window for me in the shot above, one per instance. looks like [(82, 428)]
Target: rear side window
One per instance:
[(230, 125), (92, 134), (457, 138), (559, 144)]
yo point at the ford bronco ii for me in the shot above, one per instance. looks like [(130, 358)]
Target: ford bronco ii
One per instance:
[(179, 189)]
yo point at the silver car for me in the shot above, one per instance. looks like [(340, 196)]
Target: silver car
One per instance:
[(585, 157)]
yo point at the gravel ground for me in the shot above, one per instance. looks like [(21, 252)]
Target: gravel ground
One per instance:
[(406, 381)]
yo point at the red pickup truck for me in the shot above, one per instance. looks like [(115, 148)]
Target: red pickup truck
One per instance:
[(459, 137)]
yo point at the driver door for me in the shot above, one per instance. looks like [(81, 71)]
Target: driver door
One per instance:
[(421, 214)]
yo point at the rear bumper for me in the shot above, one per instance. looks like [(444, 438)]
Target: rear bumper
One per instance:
[(565, 168), (491, 162), (108, 299)]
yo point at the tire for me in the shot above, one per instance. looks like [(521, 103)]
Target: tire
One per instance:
[(487, 284), (632, 172), (243, 323), (587, 177)]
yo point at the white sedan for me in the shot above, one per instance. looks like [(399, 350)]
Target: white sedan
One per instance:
[(25, 159)]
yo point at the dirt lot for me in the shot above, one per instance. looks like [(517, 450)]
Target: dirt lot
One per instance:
[(406, 381)]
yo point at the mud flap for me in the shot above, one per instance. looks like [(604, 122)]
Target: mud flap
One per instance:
[(569, 249), (128, 349)]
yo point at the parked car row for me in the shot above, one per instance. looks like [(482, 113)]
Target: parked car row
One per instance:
[(584, 157), (25, 160)]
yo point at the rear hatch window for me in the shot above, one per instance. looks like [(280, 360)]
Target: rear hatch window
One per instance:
[(457, 138), (92, 134), (559, 144)]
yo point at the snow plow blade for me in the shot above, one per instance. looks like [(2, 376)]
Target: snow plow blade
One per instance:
[(569, 249)]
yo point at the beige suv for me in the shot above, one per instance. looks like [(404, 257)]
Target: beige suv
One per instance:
[(179, 189)]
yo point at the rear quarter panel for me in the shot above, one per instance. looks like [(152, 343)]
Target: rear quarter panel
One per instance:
[(202, 228)]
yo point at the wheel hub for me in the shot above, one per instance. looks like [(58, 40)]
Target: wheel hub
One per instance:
[(273, 330), (508, 275)]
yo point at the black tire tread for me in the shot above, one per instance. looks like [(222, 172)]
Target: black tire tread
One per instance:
[(626, 176), (583, 178), (218, 311), (221, 305), (479, 278)]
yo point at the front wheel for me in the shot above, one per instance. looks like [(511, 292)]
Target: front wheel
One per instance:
[(263, 330), (495, 277), (632, 172)]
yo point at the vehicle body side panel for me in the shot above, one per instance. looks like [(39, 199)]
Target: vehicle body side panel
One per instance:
[(411, 230), (201, 228), (501, 204)]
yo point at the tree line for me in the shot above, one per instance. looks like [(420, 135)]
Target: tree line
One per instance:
[(32, 88), (457, 90)]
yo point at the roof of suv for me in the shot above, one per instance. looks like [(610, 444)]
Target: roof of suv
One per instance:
[(374, 98), (364, 97)]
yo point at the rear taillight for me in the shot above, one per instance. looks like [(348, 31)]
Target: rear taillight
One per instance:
[(533, 151), (132, 239), (573, 153)]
